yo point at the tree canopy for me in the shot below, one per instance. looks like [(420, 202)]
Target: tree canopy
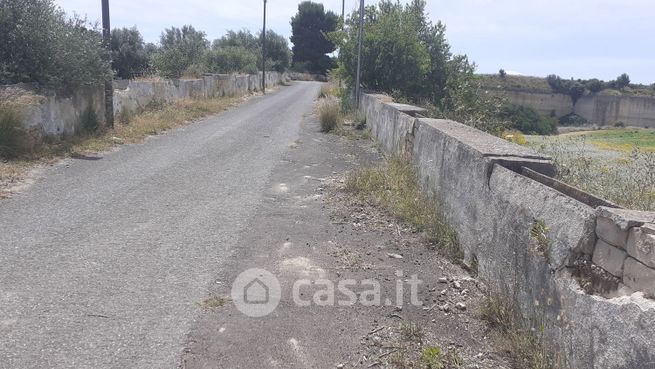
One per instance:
[(38, 43), (180, 50), (309, 28), (129, 56)]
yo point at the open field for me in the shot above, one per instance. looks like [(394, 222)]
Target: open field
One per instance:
[(616, 164), (623, 139)]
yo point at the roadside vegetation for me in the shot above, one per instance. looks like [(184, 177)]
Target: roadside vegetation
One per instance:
[(154, 119), (67, 52), (522, 341), (394, 187), (337, 114)]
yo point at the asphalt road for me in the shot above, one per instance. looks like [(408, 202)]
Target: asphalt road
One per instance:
[(103, 263)]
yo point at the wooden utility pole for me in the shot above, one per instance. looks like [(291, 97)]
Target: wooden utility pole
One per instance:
[(264, 52), (109, 88)]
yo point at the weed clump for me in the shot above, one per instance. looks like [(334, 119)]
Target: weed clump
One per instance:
[(524, 343), (329, 113)]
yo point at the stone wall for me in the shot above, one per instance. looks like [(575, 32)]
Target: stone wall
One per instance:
[(601, 110), (476, 180), (57, 115), (54, 114), (638, 111), (136, 95), (545, 103)]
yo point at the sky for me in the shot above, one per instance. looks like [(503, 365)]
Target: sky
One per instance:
[(570, 38)]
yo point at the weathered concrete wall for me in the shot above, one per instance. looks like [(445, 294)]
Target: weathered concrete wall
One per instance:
[(59, 116), (55, 114), (638, 111), (475, 181), (602, 110), (543, 102), (135, 95)]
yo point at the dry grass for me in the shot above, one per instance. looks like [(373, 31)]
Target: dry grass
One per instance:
[(153, 120), (329, 113), (524, 344), (411, 332), (394, 186), (626, 179), (213, 302), (328, 89)]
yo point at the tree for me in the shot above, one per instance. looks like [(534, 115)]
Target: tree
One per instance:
[(309, 28), (277, 51), (622, 81), (38, 43), (594, 85), (241, 51), (129, 56), (180, 50), (502, 73), (405, 54)]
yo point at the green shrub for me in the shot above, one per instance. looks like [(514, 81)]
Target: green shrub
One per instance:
[(38, 43), (528, 121), (129, 56), (619, 124), (180, 49), (329, 113), (14, 140), (89, 121), (230, 59), (572, 120)]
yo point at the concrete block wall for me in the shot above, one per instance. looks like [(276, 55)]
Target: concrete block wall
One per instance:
[(56, 115), (136, 95), (625, 247), (475, 180), (602, 110)]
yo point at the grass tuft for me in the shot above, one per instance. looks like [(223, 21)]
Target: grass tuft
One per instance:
[(213, 301), (524, 344), (329, 113), (411, 332), (394, 187)]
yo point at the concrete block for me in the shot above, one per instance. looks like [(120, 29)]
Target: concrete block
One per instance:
[(609, 258), (639, 277), (610, 232), (626, 218), (641, 244)]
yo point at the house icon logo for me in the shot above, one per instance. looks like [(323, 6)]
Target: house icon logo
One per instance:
[(256, 292)]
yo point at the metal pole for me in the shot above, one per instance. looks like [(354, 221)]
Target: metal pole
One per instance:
[(359, 49), (109, 88), (343, 14), (264, 52)]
